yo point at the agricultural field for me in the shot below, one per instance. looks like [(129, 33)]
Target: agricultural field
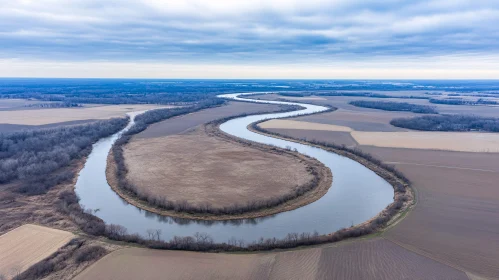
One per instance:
[(450, 233), (185, 122), (364, 259), (50, 116), (452, 141), (26, 245), (342, 102), (17, 104), (455, 220)]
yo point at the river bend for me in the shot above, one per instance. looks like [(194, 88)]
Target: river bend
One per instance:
[(356, 195)]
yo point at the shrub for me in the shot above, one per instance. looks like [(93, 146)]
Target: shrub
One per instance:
[(89, 253)]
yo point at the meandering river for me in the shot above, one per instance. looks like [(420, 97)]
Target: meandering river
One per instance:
[(356, 195)]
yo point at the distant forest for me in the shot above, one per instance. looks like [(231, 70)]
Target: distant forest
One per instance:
[(395, 106), (449, 123), (54, 105), (34, 155), (353, 93), (163, 91), (460, 101)]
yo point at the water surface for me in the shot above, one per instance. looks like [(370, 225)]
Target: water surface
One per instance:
[(356, 194)]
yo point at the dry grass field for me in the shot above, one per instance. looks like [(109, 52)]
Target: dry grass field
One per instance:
[(200, 169), (456, 220), (49, 116), (17, 104), (292, 124), (341, 102), (337, 137), (26, 245), (370, 259), (359, 120), (452, 141), (8, 128), (185, 122)]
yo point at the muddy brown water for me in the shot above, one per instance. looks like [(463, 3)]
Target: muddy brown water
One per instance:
[(356, 195)]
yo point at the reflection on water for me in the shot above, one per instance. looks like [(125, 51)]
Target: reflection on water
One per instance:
[(356, 195)]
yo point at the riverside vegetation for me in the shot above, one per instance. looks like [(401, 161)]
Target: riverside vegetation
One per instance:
[(161, 203), (90, 224), (32, 156)]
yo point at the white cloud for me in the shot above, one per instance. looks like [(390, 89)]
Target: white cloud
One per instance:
[(247, 31)]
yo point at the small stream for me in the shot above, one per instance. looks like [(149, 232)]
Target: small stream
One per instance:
[(356, 195)]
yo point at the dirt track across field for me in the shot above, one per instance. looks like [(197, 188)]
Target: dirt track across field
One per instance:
[(28, 244)]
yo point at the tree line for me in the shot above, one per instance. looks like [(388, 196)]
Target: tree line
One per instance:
[(54, 105), (350, 94), (395, 106), (34, 156), (449, 123), (460, 101)]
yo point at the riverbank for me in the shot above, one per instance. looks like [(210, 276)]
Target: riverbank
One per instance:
[(404, 195), (289, 197)]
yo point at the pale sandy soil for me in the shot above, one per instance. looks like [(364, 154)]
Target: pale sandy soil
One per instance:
[(290, 124), (451, 141), (28, 244), (48, 116)]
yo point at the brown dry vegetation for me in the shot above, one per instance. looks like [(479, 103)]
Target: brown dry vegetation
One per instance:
[(337, 137), (24, 246), (341, 102), (17, 104), (456, 220), (205, 168), (8, 128), (200, 169), (49, 116), (51, 209), (369, 259), (292, 124), (452, 141), (457, 217), (182, 123)]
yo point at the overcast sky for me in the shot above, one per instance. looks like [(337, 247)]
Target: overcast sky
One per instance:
[(250, 38)]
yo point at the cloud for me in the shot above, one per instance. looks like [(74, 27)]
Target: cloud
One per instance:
[(247, 31)]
